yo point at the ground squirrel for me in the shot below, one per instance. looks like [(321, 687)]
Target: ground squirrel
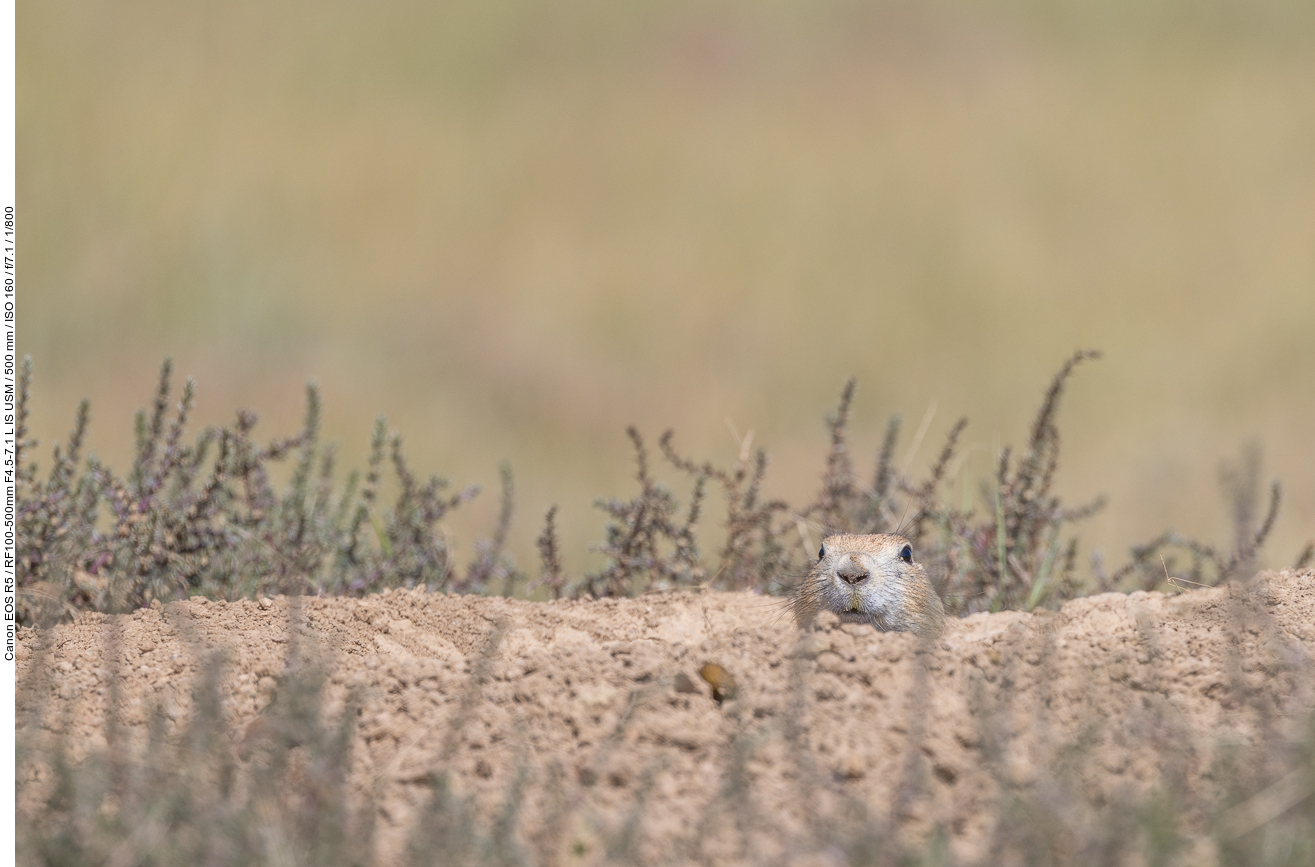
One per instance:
[(870, 579)]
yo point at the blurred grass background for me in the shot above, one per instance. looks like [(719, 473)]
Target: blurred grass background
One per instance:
[(516, 227)]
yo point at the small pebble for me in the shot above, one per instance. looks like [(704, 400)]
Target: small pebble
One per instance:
[(723, 685)]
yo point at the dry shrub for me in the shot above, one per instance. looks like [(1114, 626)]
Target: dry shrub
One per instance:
[(203, 516)]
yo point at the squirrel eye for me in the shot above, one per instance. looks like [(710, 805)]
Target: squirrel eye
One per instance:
[(906, 554), (821, 553)]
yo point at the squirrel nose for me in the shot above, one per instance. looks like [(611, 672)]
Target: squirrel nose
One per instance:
[(852, 571)]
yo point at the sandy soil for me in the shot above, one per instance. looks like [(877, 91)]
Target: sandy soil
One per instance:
[(604, 699)]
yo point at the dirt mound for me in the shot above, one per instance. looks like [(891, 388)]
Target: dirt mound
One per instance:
[(602, 702)]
